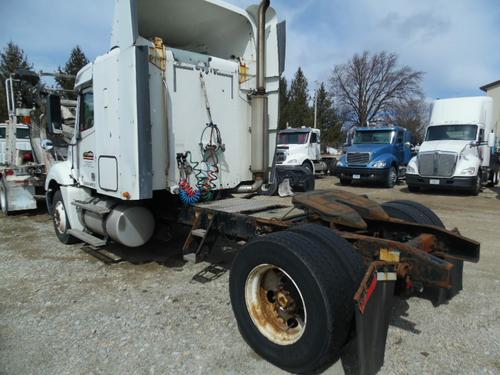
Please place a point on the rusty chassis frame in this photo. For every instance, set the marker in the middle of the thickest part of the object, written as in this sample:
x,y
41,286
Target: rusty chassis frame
x,y
398,255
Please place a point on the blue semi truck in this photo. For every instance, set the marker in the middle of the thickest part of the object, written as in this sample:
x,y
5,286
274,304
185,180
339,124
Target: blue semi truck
x,y
376,155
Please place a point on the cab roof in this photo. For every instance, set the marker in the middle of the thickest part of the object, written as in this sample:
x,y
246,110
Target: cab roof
x,y
298,130
383,128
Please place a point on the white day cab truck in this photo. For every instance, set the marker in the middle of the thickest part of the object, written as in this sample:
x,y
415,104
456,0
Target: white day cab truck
x,y
174,125
299,157
459,150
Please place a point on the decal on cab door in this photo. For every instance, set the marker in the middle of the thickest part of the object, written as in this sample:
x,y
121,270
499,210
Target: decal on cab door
x,y
88,155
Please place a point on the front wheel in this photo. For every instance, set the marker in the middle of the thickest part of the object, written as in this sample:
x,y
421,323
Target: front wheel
x,y
392,178
292,296
413,189
345,181
60,220
3,197
477,186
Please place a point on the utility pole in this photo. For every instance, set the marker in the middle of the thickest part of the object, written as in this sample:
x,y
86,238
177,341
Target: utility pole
x,y
316,105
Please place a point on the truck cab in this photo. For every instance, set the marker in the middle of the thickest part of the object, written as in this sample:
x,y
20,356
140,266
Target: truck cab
x,y
376,155
459,148
299,147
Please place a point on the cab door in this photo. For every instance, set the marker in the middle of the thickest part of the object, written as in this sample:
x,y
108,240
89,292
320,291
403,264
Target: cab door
x,y
399,146
314,146
86,154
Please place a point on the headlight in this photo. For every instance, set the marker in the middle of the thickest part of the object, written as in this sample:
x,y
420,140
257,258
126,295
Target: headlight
x,y
471,171
410,170
379,164
340,163
291,161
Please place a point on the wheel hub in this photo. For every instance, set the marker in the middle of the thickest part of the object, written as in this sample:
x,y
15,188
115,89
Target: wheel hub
x,y
60,217
275,304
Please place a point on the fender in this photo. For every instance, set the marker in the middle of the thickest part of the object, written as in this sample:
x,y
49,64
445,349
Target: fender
x,y
61,174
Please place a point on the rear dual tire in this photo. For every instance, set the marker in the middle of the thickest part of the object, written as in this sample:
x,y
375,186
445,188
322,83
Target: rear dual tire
x,y
414,212
292,296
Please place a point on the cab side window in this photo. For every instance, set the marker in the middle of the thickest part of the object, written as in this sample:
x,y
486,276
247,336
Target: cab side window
x,y
86,111
400,137
314,138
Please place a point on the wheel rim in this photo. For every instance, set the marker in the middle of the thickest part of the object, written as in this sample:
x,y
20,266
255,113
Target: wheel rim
x,y
394,177
3,198
275,304
60,217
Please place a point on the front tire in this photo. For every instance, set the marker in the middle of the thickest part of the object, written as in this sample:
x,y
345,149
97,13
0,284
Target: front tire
x,y
292,297
345,181
3,197
477,187
413,189
60,220
392,178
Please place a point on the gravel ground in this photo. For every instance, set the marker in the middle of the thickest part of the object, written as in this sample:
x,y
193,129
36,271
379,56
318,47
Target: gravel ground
x,y
62,311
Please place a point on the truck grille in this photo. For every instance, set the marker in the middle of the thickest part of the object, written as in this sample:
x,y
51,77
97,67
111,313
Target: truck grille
x,y
361,158
280,157
437,164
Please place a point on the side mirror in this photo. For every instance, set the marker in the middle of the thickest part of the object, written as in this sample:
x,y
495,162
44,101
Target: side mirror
x,y
491,140
47,144
54,118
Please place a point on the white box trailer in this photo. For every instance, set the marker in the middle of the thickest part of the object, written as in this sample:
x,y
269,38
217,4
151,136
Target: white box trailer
x,y
178,117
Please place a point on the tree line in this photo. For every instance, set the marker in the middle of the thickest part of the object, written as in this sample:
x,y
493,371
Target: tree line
x,y
13,57
367,90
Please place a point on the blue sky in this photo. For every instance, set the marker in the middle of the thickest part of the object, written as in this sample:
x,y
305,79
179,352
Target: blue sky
x,y
454,41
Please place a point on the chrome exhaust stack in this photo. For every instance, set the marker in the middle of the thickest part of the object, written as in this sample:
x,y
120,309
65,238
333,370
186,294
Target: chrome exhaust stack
x,y
260,115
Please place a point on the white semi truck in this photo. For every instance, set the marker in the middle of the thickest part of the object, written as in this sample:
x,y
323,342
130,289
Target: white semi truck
x,y
173,122
459,151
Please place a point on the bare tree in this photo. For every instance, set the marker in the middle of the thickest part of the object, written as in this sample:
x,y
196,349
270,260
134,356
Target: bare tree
x,y
370,85
412,115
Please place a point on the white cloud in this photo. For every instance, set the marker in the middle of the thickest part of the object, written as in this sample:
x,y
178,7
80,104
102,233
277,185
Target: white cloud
x,y
454,42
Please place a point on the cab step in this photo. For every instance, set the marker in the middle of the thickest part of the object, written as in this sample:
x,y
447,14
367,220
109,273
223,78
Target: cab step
x,y
199,238
87,238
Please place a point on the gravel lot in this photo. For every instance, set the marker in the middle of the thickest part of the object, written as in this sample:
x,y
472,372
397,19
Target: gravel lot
x,y
62,311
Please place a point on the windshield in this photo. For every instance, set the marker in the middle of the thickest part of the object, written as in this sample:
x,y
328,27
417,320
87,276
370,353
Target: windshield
x,y
373,137
2,133
22,133
299,138
451,133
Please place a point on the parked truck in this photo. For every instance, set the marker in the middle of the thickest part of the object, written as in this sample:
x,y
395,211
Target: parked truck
x,y
24,158
162,134
378,154
299,157
459,151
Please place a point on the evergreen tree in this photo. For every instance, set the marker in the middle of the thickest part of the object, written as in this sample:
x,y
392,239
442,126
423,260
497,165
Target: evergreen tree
x,y
76,61
299,111
327,120
12,58
284,104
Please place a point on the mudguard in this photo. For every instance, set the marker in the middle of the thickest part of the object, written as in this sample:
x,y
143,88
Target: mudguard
x,y
60,173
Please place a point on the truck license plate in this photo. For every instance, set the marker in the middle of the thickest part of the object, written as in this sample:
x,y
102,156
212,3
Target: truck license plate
x,y
434,182
356,176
